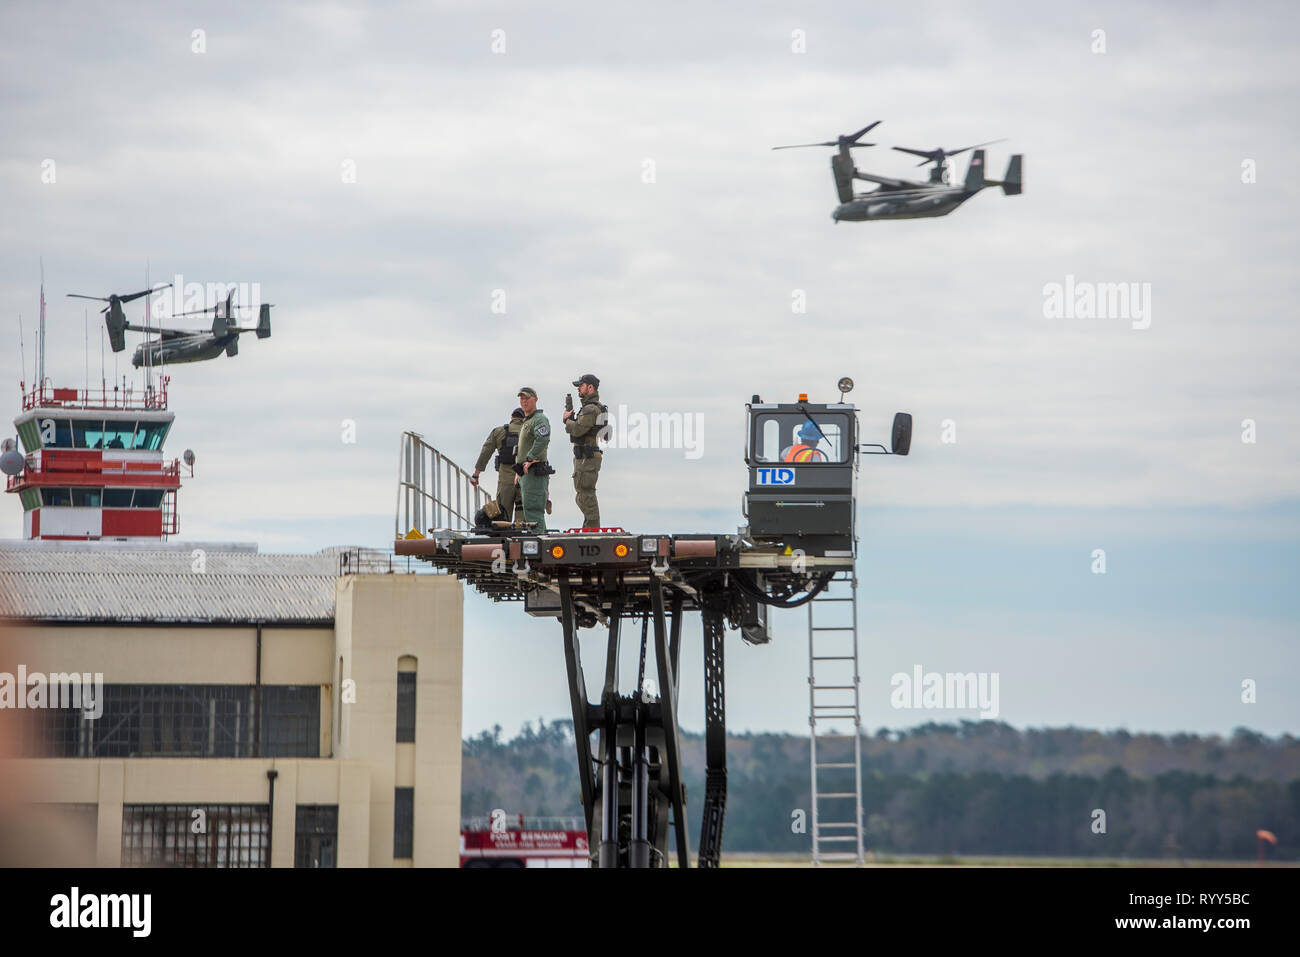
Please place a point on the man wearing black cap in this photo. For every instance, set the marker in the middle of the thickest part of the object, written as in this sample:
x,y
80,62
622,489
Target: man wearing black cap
x,y
503,441
584,428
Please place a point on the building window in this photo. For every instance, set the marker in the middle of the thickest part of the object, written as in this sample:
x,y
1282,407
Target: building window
x,y
290,721
173,721
56,497
148,497
86,497
118,497
95,497
316,836
195,835
403,823
406,706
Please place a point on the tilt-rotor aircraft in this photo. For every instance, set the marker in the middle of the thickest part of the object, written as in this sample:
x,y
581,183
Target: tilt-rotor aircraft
x,y
905,199
180,345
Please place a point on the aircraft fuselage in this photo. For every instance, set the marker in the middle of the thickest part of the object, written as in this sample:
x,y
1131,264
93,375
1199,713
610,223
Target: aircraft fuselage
x,y
181,349
917,203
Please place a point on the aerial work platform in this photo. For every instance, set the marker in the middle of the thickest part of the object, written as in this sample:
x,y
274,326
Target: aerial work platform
x,y
803,460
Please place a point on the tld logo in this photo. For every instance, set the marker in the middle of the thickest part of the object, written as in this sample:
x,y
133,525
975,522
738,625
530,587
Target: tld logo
x,y
776,476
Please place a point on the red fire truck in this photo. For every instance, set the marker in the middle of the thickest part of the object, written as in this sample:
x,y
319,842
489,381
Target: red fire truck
x,y
499,840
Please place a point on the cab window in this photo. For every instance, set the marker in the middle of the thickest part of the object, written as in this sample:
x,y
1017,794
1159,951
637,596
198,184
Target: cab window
x,y
119,435
149,435
817,438
88,434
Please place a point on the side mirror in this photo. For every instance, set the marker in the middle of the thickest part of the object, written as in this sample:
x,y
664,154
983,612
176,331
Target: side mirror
x,y
901,439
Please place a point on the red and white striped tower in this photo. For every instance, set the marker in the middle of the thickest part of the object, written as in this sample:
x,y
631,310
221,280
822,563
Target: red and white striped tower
x,y
94,465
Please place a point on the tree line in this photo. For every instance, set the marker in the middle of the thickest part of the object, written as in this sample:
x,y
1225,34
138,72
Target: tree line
x,y
972,788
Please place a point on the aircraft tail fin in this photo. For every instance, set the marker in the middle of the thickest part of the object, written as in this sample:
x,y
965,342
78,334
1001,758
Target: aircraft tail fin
x,y
975,173
232,347
264,321
1011,184
116,323
220,326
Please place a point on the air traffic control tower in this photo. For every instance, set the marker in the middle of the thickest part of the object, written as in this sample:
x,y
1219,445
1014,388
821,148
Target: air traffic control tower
x,y
93,466
797,550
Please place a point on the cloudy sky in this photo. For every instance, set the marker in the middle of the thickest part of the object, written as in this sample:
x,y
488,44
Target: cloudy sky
x,y
387,174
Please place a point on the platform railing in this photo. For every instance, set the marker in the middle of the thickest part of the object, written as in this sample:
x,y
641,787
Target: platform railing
x,y
523,822
47,395
432,490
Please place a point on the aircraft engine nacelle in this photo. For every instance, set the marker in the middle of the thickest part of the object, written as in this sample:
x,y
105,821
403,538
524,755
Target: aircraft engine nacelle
x,y
115,320
842,170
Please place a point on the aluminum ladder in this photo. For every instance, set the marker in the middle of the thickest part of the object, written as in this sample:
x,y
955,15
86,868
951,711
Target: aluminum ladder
x,y
834,714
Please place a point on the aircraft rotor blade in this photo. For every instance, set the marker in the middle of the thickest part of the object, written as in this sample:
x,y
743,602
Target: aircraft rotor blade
x,y
939,154
77,295
865,130
850,139
928,154
142,292
975,147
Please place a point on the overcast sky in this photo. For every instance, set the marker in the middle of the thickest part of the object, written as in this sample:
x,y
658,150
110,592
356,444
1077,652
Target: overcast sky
x,y
521,172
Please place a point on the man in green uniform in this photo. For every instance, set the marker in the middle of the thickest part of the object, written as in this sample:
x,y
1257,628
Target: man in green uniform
x,y
584,427
503,442
534,470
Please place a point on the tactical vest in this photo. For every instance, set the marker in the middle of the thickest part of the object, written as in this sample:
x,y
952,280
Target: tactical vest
x,y
509,448
587,441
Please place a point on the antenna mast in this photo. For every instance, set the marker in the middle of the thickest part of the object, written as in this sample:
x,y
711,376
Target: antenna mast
x,y
40,339
148,353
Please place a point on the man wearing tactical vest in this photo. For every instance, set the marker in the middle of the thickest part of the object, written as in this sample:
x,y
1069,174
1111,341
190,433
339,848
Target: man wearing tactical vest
x,y
503,441
530,461
584,428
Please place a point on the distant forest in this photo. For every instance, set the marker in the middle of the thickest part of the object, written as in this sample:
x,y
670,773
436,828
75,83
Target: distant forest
x,y
971,788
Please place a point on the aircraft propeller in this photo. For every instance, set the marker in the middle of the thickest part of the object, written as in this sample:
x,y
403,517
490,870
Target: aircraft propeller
x,y
938,155
850,140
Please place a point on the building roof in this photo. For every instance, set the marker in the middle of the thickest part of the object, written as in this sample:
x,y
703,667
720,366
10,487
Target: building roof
x,y
177,582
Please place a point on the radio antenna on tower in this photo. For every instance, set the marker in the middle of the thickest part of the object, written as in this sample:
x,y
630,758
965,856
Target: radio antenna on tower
x,y
40,338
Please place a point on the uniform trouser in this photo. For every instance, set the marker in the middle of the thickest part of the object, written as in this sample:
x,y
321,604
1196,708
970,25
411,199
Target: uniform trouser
x,y
585,473
532,489
508,493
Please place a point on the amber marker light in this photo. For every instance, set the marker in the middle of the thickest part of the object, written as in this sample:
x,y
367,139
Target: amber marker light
x,y
557,551
620,550
803,396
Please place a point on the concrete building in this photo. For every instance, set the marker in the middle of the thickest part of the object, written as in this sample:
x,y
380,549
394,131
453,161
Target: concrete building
x,y
253,709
